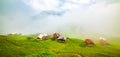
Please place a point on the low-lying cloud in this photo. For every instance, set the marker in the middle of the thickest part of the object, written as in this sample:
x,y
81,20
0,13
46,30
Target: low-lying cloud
x,y
65,16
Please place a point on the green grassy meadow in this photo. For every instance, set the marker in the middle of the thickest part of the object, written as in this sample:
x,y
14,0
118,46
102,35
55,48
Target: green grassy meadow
x,y
27,46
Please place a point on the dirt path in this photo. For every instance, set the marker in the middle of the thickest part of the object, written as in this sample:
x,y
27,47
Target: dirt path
x,y
13,44
63,53
74,53
57,47
16,46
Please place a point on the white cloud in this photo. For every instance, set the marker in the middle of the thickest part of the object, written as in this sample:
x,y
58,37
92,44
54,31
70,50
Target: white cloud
x,y
39,5
53,5
84,1
96,18
80,1
70,6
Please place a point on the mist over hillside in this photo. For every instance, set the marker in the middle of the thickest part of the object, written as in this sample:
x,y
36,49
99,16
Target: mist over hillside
x,y
69,16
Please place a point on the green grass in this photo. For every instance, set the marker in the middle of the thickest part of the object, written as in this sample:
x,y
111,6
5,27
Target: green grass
x,y
26,46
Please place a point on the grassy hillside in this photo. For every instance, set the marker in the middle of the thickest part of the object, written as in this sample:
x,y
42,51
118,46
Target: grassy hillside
x,y
26,46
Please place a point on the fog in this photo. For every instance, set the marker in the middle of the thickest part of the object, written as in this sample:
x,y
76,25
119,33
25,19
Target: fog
x,y
86,17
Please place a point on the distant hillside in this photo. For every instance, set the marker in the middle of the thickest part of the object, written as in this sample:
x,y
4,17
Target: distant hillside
x,y
23,46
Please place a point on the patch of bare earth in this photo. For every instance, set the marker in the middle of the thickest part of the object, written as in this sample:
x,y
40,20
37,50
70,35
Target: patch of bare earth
x,y
74,53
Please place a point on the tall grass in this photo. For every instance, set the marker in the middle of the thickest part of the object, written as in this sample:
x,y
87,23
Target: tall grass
x,y
27,46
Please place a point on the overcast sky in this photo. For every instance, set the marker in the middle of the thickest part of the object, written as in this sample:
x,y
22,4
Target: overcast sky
x,y
67,16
